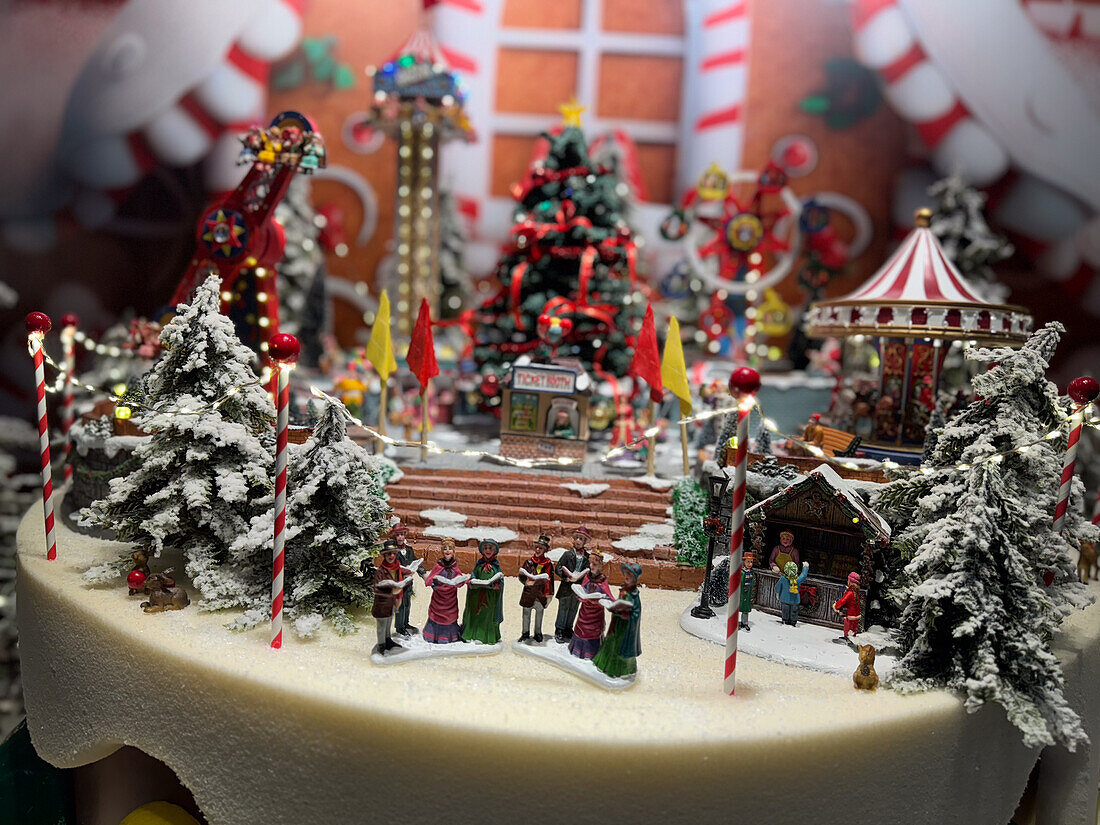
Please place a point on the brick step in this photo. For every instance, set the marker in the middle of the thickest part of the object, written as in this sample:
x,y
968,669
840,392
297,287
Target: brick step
x,y
514,497
490,514
655,573
618,488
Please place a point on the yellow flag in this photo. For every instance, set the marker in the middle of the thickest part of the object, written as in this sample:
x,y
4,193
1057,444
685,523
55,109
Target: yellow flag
x,y
673,368
380,345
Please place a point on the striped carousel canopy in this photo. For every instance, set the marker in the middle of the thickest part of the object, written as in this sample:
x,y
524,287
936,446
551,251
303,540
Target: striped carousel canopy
x,y
918,292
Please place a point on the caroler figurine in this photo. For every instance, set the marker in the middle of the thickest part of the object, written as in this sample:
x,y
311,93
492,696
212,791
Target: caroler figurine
x,y
618,655
390,581
848,605
570,569
406,555
786,589
748,588
484,597
589,592
444,579
537,575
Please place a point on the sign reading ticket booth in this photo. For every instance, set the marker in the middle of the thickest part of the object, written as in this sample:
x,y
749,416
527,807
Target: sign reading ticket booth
x,y
544,379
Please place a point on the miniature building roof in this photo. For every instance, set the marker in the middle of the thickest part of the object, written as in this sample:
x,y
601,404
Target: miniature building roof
x,y
826,478
919,292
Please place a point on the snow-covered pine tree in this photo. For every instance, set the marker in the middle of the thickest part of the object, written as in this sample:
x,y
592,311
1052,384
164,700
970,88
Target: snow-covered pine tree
x,y
958,221
336,513
453,277
976,614
301,272
202,477
763,440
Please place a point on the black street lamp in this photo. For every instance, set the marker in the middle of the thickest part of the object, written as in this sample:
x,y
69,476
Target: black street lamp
x,y
716,488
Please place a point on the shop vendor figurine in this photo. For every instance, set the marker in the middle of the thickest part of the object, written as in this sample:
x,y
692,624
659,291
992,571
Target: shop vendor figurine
x,y
618,655
784,552
537,576
484,597
390,581
748,588
562,426
592,589
848,605
787,590
407,556
444,581
570,569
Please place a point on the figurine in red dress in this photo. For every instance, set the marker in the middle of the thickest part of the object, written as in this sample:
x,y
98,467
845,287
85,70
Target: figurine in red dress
x,y
444,580
848,604
588,631
537,575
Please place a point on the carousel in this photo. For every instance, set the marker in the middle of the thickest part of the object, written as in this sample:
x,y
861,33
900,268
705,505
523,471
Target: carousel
x,y
913,308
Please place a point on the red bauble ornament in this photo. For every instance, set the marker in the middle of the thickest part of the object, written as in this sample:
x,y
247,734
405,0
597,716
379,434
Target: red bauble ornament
x,y
490,385
136,580
70,319
284,348
37,322
744,381
1083,390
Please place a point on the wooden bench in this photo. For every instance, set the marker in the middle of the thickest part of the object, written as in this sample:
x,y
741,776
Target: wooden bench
x,y
833,442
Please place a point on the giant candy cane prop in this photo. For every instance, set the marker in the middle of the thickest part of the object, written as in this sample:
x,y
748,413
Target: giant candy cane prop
x,y
37,325
1081,391
283,349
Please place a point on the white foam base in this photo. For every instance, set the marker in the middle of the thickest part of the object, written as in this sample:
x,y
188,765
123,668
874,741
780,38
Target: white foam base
x,y
414,647
559,656
806,645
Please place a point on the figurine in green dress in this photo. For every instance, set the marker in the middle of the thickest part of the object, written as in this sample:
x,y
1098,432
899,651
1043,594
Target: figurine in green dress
x,y
618,655
484,597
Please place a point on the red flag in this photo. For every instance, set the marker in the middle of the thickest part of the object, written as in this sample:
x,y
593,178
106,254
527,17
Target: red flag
x,y
647,357
421,356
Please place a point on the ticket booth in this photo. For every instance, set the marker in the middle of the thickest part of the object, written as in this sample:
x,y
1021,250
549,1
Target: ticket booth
x,y
544,411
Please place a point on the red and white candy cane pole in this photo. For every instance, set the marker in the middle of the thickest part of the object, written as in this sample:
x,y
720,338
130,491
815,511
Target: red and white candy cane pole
x,y
1081,391
38,324
744,383
283,349
69,322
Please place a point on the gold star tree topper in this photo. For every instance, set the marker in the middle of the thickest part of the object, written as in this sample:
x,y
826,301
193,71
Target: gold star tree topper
x,y
571,112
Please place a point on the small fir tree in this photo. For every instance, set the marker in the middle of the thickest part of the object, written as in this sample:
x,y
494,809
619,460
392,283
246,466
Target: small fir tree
x,y
958,221
689,508
301,272
976,539
763,440
572,205
453,277
336,513
203,476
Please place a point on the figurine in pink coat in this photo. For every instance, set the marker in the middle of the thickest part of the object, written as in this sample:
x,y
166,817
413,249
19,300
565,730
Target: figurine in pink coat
x,y
588,631
444,580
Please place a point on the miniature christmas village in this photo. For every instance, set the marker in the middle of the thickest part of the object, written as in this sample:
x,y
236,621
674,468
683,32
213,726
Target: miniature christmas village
x,y
877,484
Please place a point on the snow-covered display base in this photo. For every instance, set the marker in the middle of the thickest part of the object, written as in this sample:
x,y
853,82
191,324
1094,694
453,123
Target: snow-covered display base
x,y
414,647
303,734
804,645
559,656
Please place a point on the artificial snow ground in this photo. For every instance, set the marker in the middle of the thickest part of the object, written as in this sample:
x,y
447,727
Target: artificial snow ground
x,y
559,656
806,645
414,647
449,524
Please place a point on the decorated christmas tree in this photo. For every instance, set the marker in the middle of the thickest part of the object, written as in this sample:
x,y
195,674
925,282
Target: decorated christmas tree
x,y
985,579
205,473
336,514
571,257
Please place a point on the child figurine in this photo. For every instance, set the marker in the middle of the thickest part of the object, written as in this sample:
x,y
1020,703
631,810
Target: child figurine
x,y
484,597
406,555
570,569
390,581
444,580
618,655
585,638
787,590
748,588
848,604
537,575
784,552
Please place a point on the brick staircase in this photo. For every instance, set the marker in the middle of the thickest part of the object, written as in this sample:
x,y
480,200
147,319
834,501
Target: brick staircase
x,y
533,504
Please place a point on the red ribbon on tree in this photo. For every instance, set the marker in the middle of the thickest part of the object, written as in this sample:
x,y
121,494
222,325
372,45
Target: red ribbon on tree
x,y
646,364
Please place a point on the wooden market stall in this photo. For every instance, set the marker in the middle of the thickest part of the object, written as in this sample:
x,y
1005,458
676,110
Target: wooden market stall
x,y
544,411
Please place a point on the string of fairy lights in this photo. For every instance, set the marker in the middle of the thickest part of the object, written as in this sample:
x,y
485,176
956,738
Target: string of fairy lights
x,y
125,406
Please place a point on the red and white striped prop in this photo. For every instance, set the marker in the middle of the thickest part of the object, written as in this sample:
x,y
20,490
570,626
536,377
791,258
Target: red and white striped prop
x,y
69,323
283,349
1082,391
37,325
744,383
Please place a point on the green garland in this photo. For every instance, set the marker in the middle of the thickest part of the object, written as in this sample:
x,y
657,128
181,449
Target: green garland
x,y
689,508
